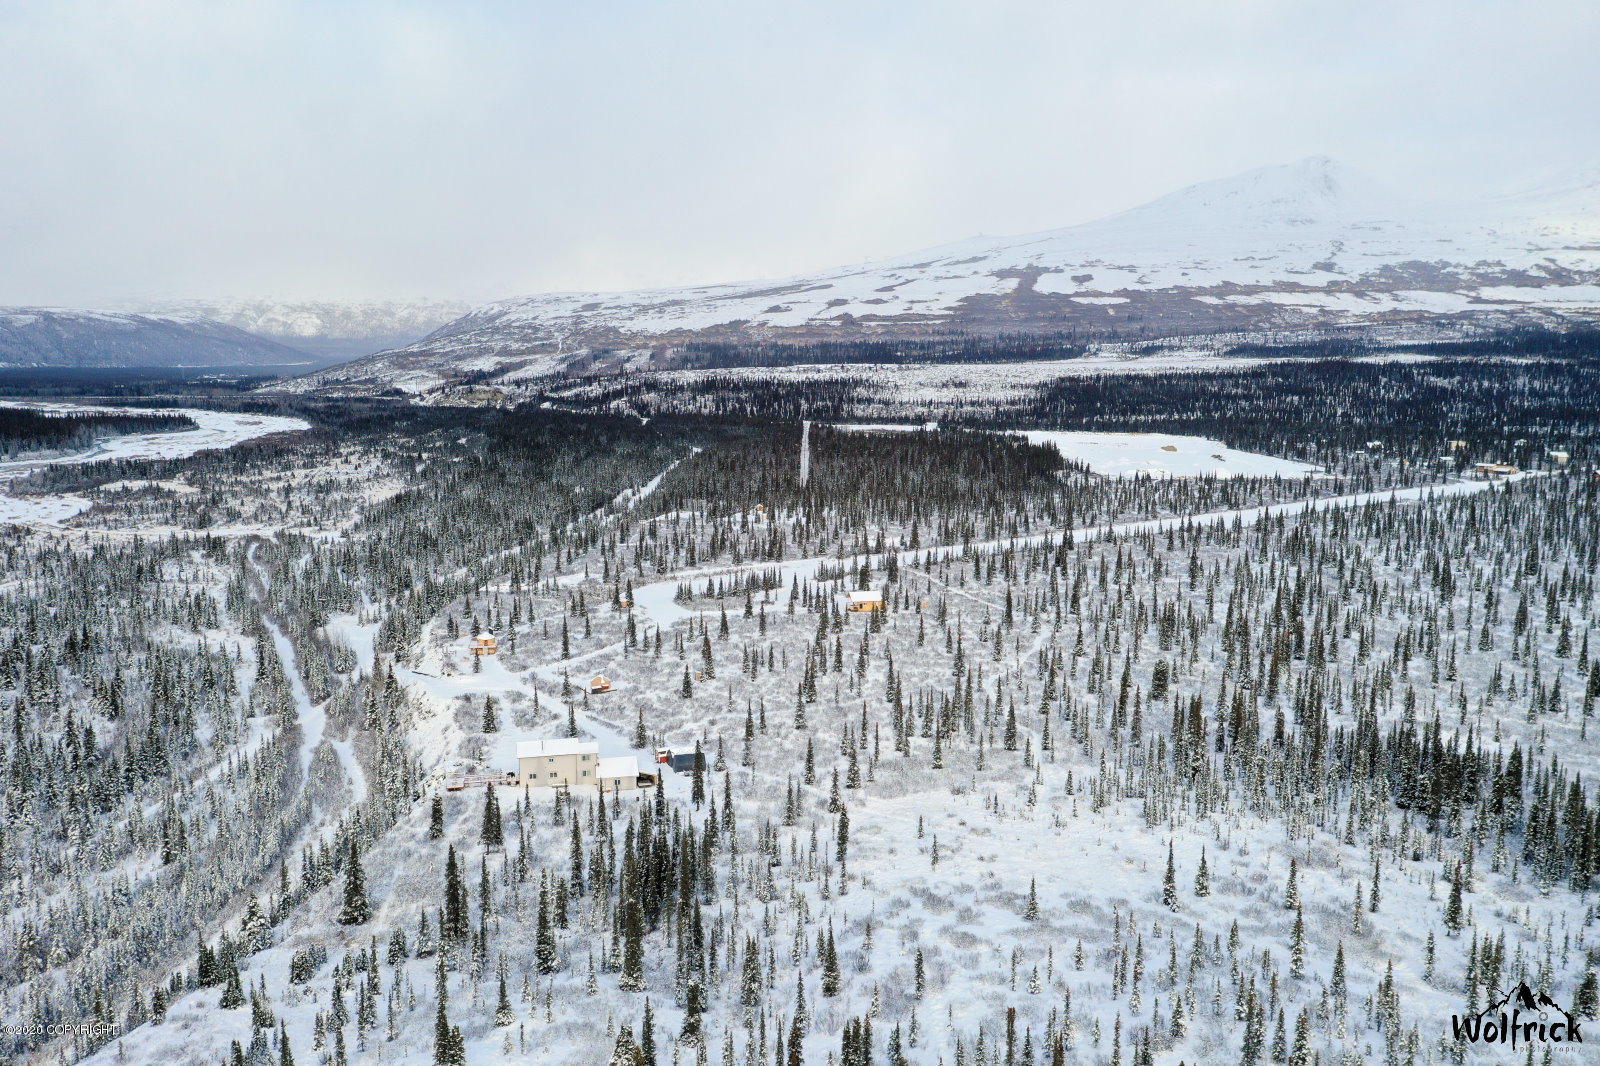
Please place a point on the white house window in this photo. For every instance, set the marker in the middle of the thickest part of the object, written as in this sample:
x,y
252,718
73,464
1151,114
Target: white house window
x,y
552,773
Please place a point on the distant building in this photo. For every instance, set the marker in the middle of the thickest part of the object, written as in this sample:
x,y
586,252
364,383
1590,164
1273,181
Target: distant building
x,y
563,763
864,600
1458,445
1489,470
558,763
600,683
683,762
1559,457
484,644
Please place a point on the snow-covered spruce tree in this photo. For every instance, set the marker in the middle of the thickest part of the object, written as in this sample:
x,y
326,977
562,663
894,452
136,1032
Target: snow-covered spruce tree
x,y
356,910
492,833
232,989
626,1052
503,1014
1454,912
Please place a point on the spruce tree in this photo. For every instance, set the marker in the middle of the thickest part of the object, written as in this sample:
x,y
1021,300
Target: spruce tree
x,y
626,1052
356,910
546,956
632,979
233,990
1586,1001
1454,916
1202,877
1297,947
694,1006
455,921
443,1043
503,1015
698,793
647,1036
831,978
492,835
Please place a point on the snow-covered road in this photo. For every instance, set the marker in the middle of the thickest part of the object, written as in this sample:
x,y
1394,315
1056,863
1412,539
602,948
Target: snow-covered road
x,y
658,603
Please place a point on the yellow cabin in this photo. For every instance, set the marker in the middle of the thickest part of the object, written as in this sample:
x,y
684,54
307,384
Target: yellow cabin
x,y
864,600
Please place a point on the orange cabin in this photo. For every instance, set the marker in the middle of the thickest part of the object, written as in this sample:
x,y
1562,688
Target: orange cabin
x,y
600,683
484,644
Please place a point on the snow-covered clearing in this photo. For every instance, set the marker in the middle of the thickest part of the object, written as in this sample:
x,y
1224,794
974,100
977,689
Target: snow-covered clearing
x,y
1161,455
1113,454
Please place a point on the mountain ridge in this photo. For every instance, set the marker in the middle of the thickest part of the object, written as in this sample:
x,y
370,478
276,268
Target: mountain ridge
x,y
66,337
1311,245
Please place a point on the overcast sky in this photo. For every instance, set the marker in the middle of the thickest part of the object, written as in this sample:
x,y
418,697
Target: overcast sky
x,y
373,150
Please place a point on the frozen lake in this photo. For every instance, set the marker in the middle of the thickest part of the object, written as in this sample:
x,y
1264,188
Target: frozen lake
x,y
213,430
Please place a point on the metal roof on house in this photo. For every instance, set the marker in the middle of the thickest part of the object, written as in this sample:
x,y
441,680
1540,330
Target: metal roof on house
x,y
539,749
617,766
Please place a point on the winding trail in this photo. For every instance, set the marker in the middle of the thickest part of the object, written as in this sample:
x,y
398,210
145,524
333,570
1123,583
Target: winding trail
x,y
313,717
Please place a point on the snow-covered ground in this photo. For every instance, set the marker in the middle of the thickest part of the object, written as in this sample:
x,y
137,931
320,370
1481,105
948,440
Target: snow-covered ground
x,y
214,430
1162,455
940,866
1126,454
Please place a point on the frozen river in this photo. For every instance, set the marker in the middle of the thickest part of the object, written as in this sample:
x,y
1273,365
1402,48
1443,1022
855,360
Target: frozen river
x,y
213,430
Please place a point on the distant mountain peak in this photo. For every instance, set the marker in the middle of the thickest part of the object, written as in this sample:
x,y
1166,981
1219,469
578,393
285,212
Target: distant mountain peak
x,y
1314,189
1306,246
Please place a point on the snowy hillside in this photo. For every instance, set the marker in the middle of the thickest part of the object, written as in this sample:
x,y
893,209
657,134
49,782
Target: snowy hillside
x,y
1306,245
31,336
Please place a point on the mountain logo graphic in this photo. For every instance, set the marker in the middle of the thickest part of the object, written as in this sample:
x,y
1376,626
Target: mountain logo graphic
x,y
1519,1016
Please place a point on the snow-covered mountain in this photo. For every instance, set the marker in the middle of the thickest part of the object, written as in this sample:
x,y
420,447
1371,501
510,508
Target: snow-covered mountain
x,y
1301,246
33,336
329,329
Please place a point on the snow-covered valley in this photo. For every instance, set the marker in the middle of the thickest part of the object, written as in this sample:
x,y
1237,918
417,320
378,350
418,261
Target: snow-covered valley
x,y
213,430
1349,713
